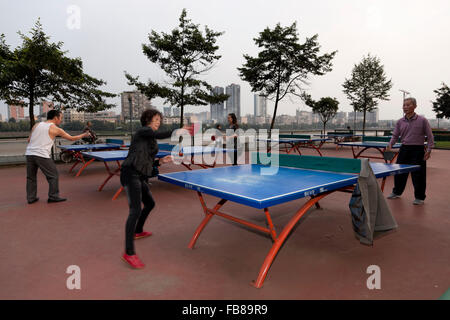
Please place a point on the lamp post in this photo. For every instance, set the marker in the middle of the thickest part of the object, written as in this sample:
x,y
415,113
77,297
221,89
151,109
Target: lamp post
x,y
131,116
404,93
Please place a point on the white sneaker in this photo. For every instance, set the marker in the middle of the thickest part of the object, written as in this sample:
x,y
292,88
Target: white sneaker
x,y
418,202
393,196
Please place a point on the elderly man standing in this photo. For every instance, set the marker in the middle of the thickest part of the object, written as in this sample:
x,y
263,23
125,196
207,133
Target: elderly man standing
x,y
38,153
413,130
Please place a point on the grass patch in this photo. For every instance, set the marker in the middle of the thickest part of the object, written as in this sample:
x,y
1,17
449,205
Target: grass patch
x,y
442,144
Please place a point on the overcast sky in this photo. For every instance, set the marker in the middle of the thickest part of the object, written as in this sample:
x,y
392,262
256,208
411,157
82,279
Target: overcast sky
x,y
410,38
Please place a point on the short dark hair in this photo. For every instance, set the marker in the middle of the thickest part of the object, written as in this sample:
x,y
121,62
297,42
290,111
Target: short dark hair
x,y
148,115
53,113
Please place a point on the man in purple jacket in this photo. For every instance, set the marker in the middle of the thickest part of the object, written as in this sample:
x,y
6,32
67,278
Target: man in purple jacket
x,y
413,130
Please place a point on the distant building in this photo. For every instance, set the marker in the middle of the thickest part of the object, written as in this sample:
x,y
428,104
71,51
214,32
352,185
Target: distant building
x,y
372,117
259,105
70,115
139,102
303,117
1,118
176,112
171,120
233,104
340,119
108,116
218,109
167,111
16,112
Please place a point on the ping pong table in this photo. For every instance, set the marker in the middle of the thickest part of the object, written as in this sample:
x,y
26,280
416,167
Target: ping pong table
x,y
341,137
367,145
296,177
181,154
294,143
75,150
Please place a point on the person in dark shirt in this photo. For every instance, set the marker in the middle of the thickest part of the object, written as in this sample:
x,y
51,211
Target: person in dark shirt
x,y
93,135
232,124
140,165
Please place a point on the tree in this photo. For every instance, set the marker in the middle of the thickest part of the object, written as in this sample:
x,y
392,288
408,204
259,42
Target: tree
x,y
40,70
283,64
367,85
183,55
326,108
442,104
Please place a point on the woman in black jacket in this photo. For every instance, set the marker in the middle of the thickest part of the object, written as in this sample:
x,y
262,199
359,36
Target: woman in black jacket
x,y
140,165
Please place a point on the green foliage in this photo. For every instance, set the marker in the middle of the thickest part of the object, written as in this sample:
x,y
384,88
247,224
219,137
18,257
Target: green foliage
x,y
283,64
326,107
183,55
442,104
39,69
367,85
14,126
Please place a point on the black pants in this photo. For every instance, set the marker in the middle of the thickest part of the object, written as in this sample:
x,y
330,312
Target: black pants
x,y
412,155
48,168
138,191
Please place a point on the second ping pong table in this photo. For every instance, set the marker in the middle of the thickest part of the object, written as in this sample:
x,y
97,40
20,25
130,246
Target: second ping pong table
x,y
293,143
76,151
367,145
296,177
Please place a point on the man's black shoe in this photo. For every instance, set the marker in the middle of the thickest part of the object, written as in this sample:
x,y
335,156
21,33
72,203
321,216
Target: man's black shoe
x,y
56,200
33,201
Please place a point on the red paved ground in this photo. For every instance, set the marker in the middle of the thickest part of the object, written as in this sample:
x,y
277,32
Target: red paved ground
x,y
321,260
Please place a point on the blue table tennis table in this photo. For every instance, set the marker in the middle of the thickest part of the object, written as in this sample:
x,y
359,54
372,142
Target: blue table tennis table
x,y
341,137
367,145
180,155
75,150
297,177
293,144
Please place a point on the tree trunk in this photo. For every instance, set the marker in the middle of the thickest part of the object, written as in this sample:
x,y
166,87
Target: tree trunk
x,y
31,106
181,116
274,112
364,122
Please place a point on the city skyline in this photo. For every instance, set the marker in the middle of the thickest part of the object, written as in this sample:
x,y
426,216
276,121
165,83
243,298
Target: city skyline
x,y
406,36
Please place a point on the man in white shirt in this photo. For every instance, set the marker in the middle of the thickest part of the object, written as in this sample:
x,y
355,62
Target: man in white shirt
x,y
38,153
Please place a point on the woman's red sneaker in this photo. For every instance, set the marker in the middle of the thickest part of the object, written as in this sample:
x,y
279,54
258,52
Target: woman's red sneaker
x,y
133,261
142,235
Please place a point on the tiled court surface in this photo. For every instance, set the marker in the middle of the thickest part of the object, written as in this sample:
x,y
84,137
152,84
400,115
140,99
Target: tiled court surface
x,y
321,259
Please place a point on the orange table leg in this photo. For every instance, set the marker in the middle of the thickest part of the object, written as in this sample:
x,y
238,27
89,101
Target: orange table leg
x,y
281,239
84,166
205,220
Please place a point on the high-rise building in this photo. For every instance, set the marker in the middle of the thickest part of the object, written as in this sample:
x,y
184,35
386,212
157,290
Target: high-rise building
x,y
372,117
139,102
234,99
218,109
167,111
16,112
176,112
260,105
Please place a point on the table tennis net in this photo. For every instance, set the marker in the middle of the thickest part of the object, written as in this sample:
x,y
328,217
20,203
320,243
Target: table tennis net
x,y
344,165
